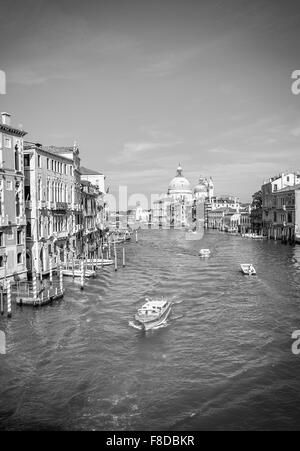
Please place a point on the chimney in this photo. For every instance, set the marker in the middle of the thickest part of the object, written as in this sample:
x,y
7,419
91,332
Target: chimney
x,y
5,117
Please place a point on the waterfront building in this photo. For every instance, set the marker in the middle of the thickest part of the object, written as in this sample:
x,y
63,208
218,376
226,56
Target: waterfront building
x,y
91,232
231,219
53,204
280,207
97,180
257,213
225,202
12,206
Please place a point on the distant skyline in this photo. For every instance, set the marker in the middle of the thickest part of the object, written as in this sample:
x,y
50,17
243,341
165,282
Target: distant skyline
x,y
143,85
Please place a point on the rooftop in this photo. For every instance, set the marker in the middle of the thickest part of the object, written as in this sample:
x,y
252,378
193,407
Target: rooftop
x,y
86,171
288,188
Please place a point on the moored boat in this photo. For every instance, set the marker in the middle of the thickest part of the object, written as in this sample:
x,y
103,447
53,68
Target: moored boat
x,y
99,262
77,273
153,314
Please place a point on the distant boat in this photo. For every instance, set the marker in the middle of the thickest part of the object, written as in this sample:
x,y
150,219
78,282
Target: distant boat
x,y
204,253
153,314
248,269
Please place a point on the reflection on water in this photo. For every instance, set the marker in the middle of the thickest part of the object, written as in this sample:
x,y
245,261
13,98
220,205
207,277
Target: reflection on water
x,y
223,360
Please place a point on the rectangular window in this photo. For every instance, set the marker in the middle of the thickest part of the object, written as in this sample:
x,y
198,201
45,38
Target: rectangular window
x,y
26,161
27,193
48,163
1,239
20,258
10,234
39,161
52,165
9,185
19,237
7,143
71,170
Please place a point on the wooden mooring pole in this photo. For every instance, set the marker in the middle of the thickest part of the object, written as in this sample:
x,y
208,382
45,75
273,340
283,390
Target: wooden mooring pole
x,y
9,299
116,258
82,276
1,303
34,287
51,270
124,259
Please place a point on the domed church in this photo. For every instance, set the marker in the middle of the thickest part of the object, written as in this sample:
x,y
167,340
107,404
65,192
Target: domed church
x,y
180,187
204,190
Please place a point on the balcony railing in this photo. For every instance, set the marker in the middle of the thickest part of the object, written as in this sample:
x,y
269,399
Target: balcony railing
x,y
60,235
42,204
21,220
4,221
61,206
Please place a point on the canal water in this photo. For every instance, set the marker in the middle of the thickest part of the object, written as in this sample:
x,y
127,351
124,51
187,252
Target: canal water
x,y
223,360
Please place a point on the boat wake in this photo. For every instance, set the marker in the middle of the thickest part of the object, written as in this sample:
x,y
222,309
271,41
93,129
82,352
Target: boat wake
x,y
136,326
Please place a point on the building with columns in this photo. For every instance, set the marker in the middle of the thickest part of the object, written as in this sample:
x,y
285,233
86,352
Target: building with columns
x,y
12,208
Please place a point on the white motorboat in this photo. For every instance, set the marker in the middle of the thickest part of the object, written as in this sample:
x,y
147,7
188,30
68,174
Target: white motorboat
x,y
204,253
248,269
153,314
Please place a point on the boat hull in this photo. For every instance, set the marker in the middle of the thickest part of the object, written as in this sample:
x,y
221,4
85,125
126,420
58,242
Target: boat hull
x,y
148,325
246,272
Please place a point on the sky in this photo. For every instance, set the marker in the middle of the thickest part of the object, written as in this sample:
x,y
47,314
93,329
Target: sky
x,y
143,85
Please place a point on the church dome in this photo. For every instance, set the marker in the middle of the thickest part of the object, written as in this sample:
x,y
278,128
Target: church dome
x,y
201,187
179,184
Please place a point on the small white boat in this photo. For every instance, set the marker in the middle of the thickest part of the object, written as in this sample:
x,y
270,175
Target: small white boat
x,y
153,314
248,269
99,262
204,253
77,273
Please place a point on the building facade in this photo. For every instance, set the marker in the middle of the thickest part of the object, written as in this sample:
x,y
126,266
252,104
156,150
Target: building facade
x,y
12,206
53,205
280,208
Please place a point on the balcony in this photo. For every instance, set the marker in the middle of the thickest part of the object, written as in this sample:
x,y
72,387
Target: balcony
x,y
4,222
61,206
42,204
21,221
60,235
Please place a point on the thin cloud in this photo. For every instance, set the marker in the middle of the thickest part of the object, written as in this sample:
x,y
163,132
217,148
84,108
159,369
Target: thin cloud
x,y
133,150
